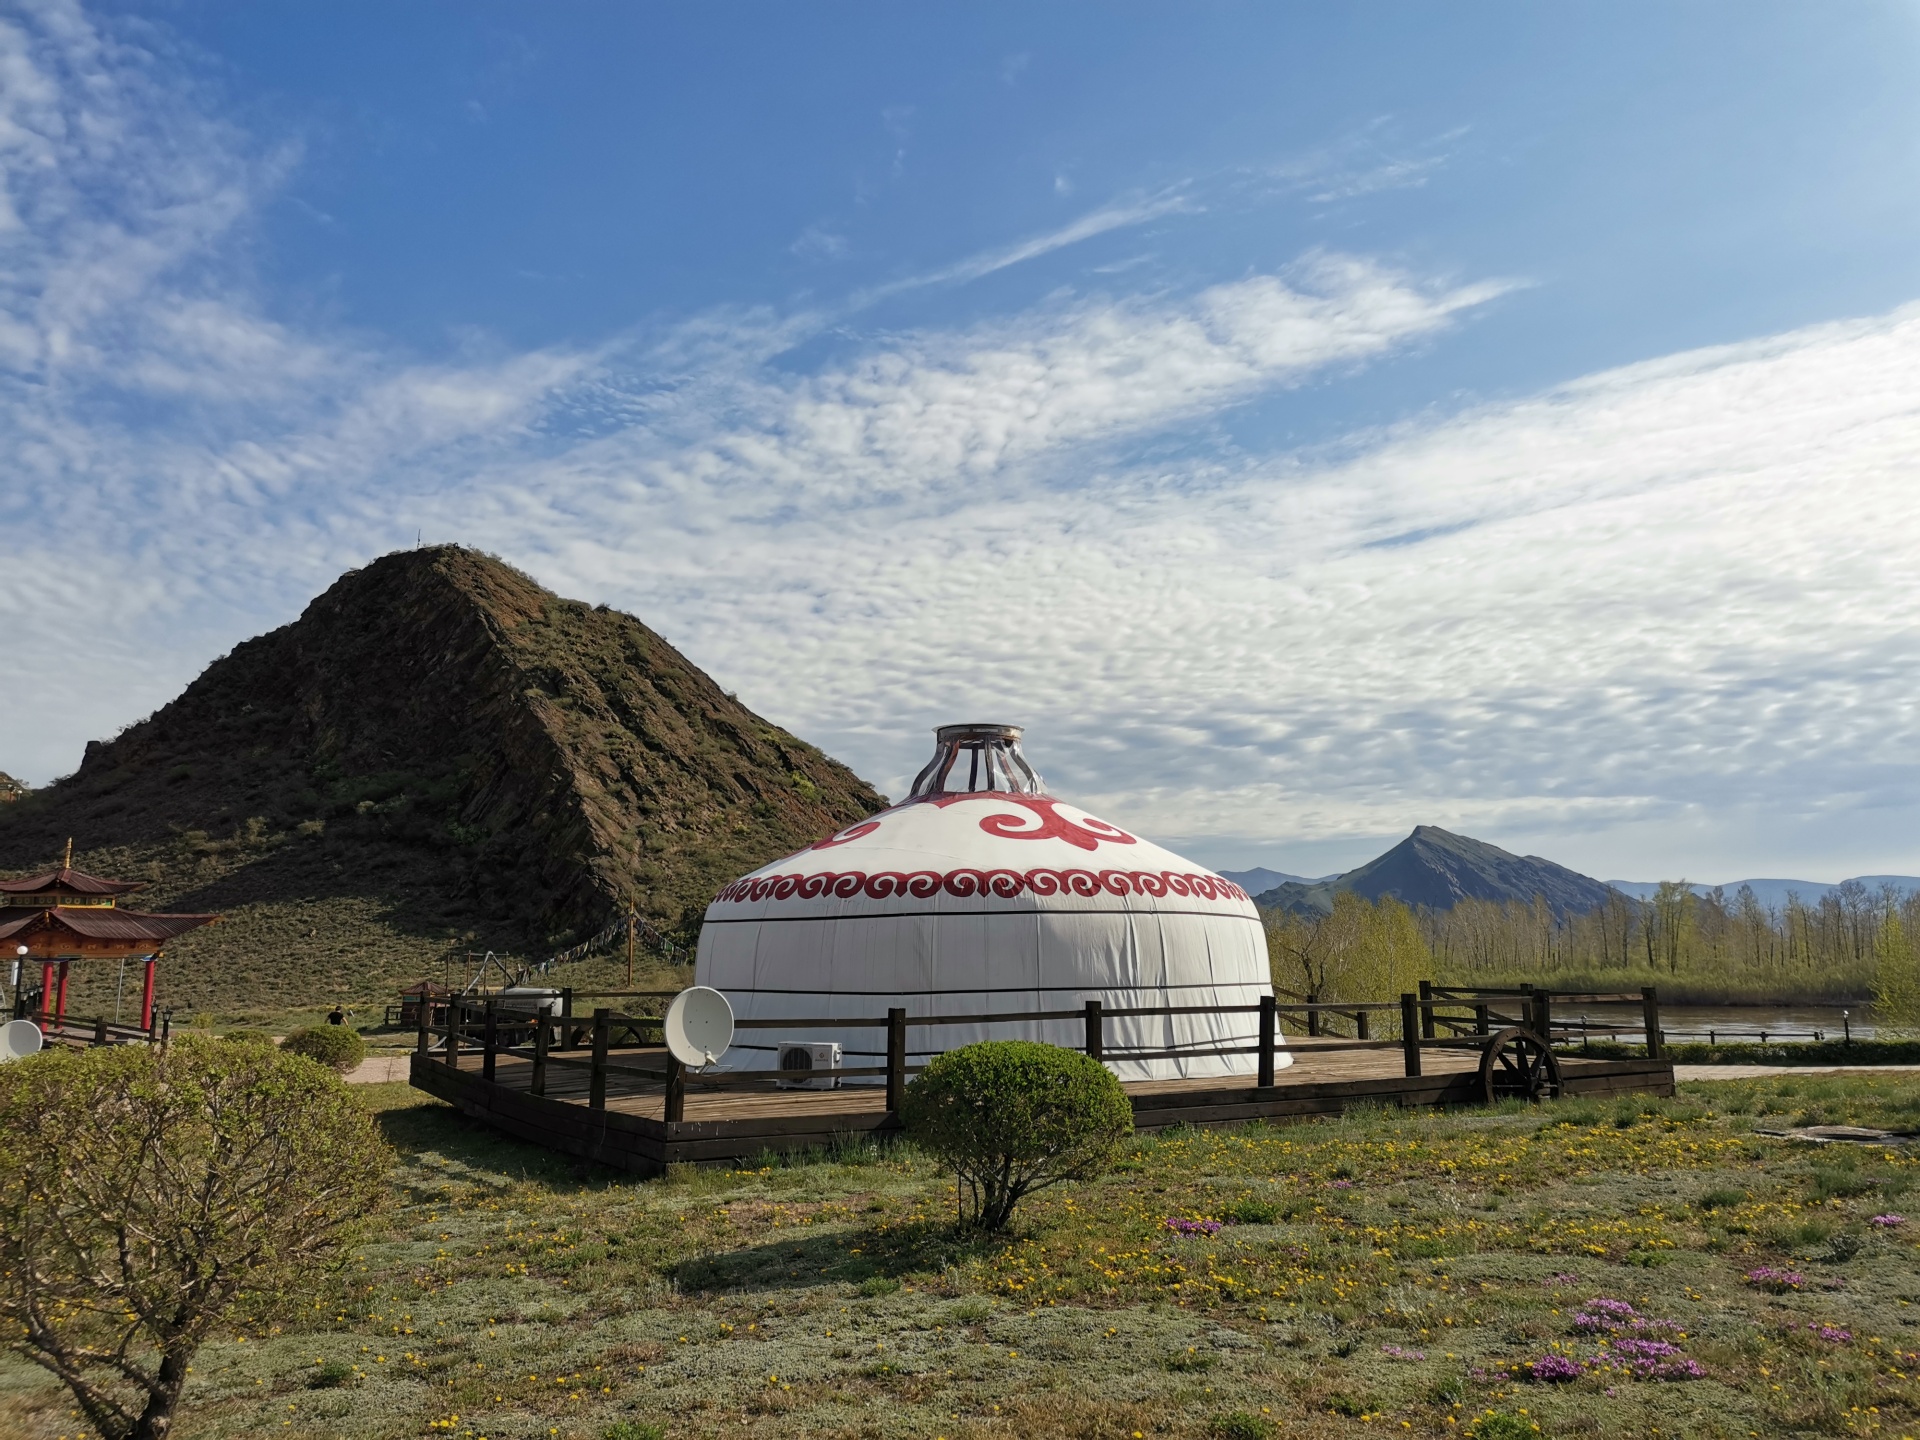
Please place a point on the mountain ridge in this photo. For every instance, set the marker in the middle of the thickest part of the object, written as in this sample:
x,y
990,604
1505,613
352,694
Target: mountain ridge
x,y
1260,878
1437,869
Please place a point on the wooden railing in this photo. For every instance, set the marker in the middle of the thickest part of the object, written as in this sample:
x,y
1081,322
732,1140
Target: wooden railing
x,y
521,1027
73,1030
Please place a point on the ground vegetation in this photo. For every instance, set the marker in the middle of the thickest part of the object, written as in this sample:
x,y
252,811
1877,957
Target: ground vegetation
x,y
1637,1267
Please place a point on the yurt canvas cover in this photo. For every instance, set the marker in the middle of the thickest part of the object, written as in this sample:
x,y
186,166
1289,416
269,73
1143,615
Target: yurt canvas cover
x,y
981,894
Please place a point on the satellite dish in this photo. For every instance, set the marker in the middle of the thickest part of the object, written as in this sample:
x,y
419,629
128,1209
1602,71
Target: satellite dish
x,y
699,1026
20,1038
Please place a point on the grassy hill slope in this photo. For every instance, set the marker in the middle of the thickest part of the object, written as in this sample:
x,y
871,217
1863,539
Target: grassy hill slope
x,y
439,753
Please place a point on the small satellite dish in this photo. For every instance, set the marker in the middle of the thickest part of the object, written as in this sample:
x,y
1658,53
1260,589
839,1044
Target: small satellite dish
x,y
699,1026
19,1039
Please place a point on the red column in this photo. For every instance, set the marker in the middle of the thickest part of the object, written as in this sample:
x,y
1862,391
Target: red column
x,y
60,1012
46,988
146,997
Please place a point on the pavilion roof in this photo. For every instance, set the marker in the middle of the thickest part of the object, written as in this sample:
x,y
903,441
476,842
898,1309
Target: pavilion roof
x,y
77,882
104,924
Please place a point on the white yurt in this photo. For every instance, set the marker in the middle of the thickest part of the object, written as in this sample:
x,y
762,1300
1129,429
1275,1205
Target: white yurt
x,y
981,894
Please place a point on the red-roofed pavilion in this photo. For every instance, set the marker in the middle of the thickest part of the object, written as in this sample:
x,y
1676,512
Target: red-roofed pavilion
x,y
67,915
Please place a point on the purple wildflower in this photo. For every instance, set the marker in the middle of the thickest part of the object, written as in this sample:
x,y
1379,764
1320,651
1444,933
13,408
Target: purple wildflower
x,y
1552,1370
1341,1185
1779,1281
1887,1222
1394,1352
1631,1349
1654,1360
1181,1226
1831,1333
1563,1279
1600,1316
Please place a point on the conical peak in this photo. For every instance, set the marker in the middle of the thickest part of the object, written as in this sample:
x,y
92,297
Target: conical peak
x,y
977,757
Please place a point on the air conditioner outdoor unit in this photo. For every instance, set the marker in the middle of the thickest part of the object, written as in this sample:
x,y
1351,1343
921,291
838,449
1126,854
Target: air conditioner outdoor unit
x,y
805,1060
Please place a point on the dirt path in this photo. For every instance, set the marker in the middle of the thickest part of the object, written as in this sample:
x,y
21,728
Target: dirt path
x,y
379,1070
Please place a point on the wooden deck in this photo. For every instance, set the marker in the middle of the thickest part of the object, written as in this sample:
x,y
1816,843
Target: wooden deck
x,y
720,1125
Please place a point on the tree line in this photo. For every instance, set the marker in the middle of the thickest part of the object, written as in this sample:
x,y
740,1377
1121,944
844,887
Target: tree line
x,y
1850,943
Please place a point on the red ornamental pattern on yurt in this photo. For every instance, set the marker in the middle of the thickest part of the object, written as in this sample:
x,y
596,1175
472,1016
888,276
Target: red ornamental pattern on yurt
x,y
1087,833
966,884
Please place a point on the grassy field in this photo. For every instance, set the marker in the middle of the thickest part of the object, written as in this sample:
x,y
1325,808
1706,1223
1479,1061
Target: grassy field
x,y
1383,1273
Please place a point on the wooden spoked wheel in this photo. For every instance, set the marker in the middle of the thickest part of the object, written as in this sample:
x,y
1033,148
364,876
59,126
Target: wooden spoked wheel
x,y
1518,1065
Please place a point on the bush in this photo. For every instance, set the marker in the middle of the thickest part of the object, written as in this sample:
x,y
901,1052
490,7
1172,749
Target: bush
x,y
1242,1425
145,1193
1011,1117
334,1045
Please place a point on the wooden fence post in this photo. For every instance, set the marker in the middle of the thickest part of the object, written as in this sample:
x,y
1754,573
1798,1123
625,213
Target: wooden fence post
x,y
896,1059
538,1084
566,1015
489,1039
1313,1016
1650,1014
675,1109
1096,1038
1363,1024
1410,1032
456,1017
1269,1018
422,1014
597,1086
1543,1014
1482,1019
1429,1027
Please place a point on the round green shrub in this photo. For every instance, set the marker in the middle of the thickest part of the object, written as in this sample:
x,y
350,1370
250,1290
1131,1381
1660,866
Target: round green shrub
x,y
1010,1117
333,1045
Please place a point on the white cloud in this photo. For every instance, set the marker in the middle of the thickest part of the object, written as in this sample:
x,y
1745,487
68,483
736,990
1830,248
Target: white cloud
x,y
1119,215
1675,591
1366,161
1671,603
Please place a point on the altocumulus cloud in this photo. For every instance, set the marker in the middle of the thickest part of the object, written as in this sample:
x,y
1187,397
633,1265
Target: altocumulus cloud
x,y
1670,591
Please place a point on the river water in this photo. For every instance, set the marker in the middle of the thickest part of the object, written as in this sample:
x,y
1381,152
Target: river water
x,y
1723,1022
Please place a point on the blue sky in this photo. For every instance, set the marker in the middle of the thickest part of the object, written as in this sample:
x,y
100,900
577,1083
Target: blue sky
x,y
1310,421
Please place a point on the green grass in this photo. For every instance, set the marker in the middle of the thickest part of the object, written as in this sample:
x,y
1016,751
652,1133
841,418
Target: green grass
x,y
1381,1273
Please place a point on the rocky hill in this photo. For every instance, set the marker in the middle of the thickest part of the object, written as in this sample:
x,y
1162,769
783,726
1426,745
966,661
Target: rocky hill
x,y
438,753
1437,869
10,788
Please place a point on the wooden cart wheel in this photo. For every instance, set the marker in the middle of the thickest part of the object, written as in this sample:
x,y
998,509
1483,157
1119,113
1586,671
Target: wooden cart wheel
x,y
1518,1065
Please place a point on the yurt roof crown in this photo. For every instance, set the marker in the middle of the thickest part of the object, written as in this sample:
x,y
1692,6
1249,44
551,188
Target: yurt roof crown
x,y
968,758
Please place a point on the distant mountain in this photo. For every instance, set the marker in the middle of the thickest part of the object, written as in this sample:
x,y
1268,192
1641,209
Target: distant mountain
x,y
1773,894
1437,869
1257,880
